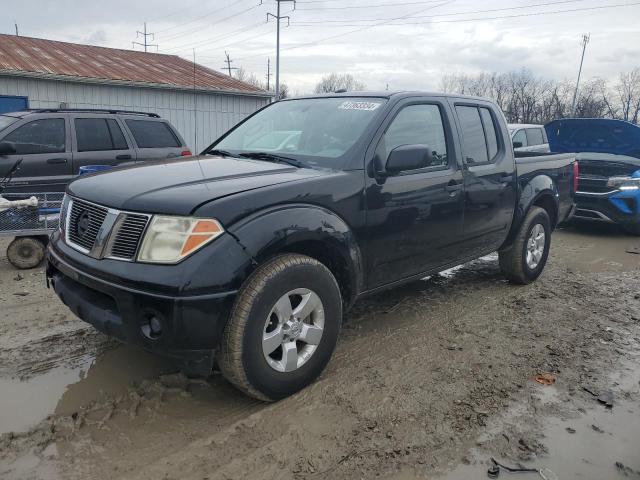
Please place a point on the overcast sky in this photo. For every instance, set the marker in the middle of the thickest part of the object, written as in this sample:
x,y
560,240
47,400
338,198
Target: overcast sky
x,y
407,44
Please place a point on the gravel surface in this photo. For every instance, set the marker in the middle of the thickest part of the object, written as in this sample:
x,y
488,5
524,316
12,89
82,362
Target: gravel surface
x,y
430,379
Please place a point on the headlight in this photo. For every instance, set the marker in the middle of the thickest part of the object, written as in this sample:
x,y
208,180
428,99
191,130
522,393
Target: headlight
x,y
170,239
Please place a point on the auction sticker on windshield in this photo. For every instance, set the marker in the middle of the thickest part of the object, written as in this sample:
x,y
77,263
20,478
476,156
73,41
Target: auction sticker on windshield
x,y
368,106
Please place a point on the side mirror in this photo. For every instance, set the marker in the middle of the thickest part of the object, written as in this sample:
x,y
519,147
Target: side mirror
x,y
7,148
408,157
517,144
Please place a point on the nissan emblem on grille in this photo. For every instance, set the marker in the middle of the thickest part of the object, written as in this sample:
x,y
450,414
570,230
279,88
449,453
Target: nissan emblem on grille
x,y
103,232
82,224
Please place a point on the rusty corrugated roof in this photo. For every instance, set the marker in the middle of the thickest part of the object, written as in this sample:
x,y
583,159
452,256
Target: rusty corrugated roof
x,y
38,56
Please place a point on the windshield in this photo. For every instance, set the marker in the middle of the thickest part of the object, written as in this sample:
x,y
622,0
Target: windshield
x,y
6,121
315,129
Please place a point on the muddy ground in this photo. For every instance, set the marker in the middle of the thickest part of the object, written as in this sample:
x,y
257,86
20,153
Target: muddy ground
x,y
428,381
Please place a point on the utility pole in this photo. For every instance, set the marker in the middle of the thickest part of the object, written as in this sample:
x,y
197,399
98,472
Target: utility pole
x,y
228,62
269,74
585,41
16,25
279,17
145,35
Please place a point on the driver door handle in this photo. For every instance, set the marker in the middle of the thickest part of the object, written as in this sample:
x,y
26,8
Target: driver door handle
x,y
506,178
453,187
57,161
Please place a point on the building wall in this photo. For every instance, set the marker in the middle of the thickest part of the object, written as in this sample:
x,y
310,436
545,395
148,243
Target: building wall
x,y
213,115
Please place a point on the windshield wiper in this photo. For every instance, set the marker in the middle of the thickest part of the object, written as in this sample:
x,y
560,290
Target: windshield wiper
x,y
222,153
272,157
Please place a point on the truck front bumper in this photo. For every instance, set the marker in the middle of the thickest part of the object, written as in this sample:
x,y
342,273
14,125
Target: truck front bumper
x,y
185,328
621,207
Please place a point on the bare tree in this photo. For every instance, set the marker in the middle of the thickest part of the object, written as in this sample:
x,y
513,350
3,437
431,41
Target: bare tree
x,y
526,98
628,95
284,91
334,82
250,78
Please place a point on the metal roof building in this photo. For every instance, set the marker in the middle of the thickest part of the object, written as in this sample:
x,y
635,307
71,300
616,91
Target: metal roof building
x,y
201,103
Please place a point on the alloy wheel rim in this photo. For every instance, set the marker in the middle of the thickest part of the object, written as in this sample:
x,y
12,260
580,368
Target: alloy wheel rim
x,y
293,330
535,246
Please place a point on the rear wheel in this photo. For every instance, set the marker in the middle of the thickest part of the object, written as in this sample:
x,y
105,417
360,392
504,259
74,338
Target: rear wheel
x,y
283,328
26,252
525,259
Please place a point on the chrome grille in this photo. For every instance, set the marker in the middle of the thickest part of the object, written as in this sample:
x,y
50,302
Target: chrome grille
x,y
593,183
84,222
128,235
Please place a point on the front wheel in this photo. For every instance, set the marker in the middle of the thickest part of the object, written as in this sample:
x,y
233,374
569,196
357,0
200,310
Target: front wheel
x,y
283,328
525,259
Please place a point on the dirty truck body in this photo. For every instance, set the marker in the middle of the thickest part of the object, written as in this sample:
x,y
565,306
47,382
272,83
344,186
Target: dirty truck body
x,y
247,255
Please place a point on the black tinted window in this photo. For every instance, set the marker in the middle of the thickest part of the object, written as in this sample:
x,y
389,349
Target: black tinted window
x,y
152,134
534,136
119,143
490,132
99,134
417,125
473,141
92,134
39,136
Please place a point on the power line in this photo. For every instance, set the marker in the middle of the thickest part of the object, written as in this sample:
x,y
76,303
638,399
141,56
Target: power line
x,y
145,36
351,7
293,47
195,32
199,18
224,36
310,22
316,42
531,14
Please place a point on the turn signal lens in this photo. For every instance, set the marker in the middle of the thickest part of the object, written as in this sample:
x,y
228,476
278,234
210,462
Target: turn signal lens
x,y
171,239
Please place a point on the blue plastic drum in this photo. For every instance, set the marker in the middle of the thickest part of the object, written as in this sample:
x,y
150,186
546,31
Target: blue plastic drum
x,y
94,169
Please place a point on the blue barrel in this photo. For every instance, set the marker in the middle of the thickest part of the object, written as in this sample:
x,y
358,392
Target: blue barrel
x,y
94,169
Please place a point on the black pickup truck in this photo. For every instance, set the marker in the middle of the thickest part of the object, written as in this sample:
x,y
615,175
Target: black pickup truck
x,y
248,254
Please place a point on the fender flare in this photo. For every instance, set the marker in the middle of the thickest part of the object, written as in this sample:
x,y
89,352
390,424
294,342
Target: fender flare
x,y
281,228
541,186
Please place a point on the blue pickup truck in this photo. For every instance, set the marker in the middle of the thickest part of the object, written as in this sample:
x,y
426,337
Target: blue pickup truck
x,y
609,156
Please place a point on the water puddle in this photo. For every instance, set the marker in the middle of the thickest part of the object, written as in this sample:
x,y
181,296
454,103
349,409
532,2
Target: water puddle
x,y
63,390
598,248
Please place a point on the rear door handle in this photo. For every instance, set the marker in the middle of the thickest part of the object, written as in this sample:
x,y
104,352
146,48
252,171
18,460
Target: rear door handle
x,y
453,187
124,157
57,161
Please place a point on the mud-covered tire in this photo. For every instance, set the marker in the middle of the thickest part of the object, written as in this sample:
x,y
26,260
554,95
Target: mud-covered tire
x,y
26,252
513,260
240,356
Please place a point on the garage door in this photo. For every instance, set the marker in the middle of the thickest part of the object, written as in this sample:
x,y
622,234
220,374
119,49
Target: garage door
x,y
13,104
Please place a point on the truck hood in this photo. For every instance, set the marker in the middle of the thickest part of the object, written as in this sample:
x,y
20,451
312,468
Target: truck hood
x,y
178,187
596,135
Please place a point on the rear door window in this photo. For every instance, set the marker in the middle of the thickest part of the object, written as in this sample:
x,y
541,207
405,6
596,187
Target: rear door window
x,y
99,134
534,136
149,134
39,136
490,133
473,141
